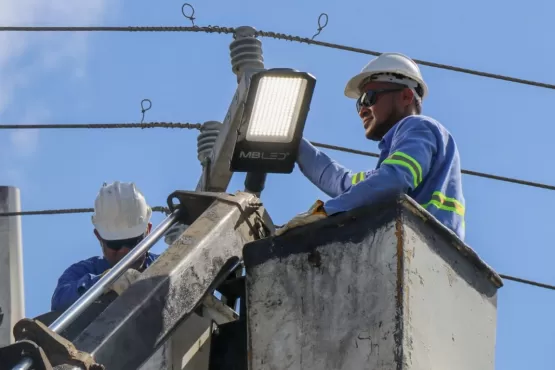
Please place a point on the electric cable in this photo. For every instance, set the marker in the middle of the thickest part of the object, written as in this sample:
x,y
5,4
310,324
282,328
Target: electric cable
x,y
268,34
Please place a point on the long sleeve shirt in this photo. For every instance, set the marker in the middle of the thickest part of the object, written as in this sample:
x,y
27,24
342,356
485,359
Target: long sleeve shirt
x,y
79,277
418,157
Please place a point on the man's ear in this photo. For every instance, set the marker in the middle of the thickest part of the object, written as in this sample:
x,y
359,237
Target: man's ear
x,y
149,227
408,96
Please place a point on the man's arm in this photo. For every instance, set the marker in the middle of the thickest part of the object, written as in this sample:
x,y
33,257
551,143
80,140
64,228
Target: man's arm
x,y
412,151
75,280
328,175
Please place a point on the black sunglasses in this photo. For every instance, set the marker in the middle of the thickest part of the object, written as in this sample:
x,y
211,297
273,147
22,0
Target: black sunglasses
x,y
131,243
369,97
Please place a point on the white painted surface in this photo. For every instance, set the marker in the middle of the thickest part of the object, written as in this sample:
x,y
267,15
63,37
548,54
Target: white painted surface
x,y
160,360
337,317
11,264
448,323
189,346
342,315
191,340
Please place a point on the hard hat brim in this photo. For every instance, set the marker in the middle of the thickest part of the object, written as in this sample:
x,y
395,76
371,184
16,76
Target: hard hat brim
x,y
353,91
133,232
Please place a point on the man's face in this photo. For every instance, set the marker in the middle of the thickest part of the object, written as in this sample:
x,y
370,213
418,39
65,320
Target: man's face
x,y
113,256
114,251
388,103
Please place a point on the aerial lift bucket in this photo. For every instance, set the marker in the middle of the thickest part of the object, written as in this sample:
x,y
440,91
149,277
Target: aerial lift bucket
x,y
386,287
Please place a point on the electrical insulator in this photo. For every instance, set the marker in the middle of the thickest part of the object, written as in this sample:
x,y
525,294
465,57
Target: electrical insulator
x,y
245,51
207,139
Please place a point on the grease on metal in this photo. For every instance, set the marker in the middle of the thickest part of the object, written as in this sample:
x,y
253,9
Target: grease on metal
x,y
416,210
315,259
399,323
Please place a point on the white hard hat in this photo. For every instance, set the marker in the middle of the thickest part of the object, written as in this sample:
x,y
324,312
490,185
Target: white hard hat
x,y
389,67
121,211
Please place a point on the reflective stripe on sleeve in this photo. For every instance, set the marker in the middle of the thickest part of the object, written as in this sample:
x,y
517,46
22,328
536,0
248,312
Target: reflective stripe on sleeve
x,y
358,177
405,160
440,201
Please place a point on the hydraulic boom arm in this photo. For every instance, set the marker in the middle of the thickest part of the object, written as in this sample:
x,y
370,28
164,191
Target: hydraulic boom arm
x,y
139,321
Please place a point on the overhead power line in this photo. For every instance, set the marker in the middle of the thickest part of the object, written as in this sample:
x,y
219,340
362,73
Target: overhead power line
x,y
269,34
167,211
528,282
190,126
198,126
67,211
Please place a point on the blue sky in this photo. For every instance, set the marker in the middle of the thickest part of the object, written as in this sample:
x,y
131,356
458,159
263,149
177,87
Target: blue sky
x,y
500,127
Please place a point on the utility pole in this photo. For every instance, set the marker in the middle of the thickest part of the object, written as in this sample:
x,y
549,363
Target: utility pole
x,y
12,307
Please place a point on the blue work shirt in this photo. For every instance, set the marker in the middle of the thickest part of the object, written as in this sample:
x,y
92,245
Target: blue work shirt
x,y
79,277
419,157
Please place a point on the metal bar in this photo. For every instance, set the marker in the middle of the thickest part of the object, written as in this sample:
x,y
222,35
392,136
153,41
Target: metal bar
x,y
98,289
255,182
170,290
219,175
25,364
12,306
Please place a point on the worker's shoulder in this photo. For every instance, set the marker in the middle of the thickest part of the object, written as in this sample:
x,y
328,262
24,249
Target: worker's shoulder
x,y
423,121
90,265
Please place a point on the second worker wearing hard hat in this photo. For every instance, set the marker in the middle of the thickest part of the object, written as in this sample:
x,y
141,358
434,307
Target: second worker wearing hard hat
x,y
121,219
418,156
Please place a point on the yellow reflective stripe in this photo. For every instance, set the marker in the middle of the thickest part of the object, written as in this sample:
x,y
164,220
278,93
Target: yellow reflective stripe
x,y
407,161
402,163
358,177
441,201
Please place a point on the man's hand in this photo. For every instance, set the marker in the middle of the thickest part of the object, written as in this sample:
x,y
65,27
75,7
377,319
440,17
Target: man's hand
x,y
104,273
123,282
315,213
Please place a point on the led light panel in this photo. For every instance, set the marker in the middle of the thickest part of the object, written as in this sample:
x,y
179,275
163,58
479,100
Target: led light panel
x,y
276,109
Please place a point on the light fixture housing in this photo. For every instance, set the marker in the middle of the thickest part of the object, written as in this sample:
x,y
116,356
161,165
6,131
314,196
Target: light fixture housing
x,y
273,121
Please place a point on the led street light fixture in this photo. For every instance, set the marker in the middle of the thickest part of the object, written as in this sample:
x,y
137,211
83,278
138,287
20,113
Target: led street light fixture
x,y
276,108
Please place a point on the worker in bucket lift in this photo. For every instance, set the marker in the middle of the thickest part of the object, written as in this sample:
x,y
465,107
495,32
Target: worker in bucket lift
x,y
121,220
419,157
